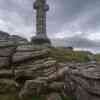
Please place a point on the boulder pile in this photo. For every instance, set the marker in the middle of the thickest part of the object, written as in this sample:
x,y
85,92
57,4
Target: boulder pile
x,y
29,70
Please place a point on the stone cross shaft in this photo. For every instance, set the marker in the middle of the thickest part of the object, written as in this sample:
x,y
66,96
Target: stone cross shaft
x,y
41,9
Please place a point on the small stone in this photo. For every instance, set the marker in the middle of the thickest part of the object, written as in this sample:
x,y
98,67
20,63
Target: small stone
x,y
54,96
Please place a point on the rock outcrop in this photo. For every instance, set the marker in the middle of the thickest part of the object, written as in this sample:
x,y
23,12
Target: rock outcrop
x,y
27,70
4,35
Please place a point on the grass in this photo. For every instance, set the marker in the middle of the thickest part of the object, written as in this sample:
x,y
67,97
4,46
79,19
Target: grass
x,y
64,55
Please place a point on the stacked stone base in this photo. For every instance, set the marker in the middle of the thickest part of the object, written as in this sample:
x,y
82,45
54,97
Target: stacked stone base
x,y
40,41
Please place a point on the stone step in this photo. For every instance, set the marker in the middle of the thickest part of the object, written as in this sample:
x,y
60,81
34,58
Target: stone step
x,y
6,44
32,64
24,56
37,67
6,74
7,51
47,74
42,78
25,47
51,68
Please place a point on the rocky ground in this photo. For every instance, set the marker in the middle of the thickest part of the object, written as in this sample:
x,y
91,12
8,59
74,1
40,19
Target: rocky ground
x,y
28,70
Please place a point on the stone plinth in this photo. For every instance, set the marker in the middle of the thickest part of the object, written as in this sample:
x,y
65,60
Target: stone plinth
x,y
41,8
38,40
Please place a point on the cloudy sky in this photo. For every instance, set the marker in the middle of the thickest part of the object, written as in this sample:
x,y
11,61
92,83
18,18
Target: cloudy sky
x,y
69,19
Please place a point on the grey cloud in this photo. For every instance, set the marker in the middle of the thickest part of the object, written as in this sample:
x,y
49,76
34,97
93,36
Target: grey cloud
x,y
16,17
83,15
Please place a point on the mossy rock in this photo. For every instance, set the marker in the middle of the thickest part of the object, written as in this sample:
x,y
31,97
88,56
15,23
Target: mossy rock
x,y
9,96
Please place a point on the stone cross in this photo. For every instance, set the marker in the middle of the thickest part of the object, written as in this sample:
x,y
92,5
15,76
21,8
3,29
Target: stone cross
x,y
41,8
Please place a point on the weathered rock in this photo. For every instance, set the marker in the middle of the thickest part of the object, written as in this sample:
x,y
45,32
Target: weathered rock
x,y
85,82
53,96
57,86
6,43
7,85
4,62
37,73
32,88
26,47
17,39
3,35
36,69
6,73
23,56
6,51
